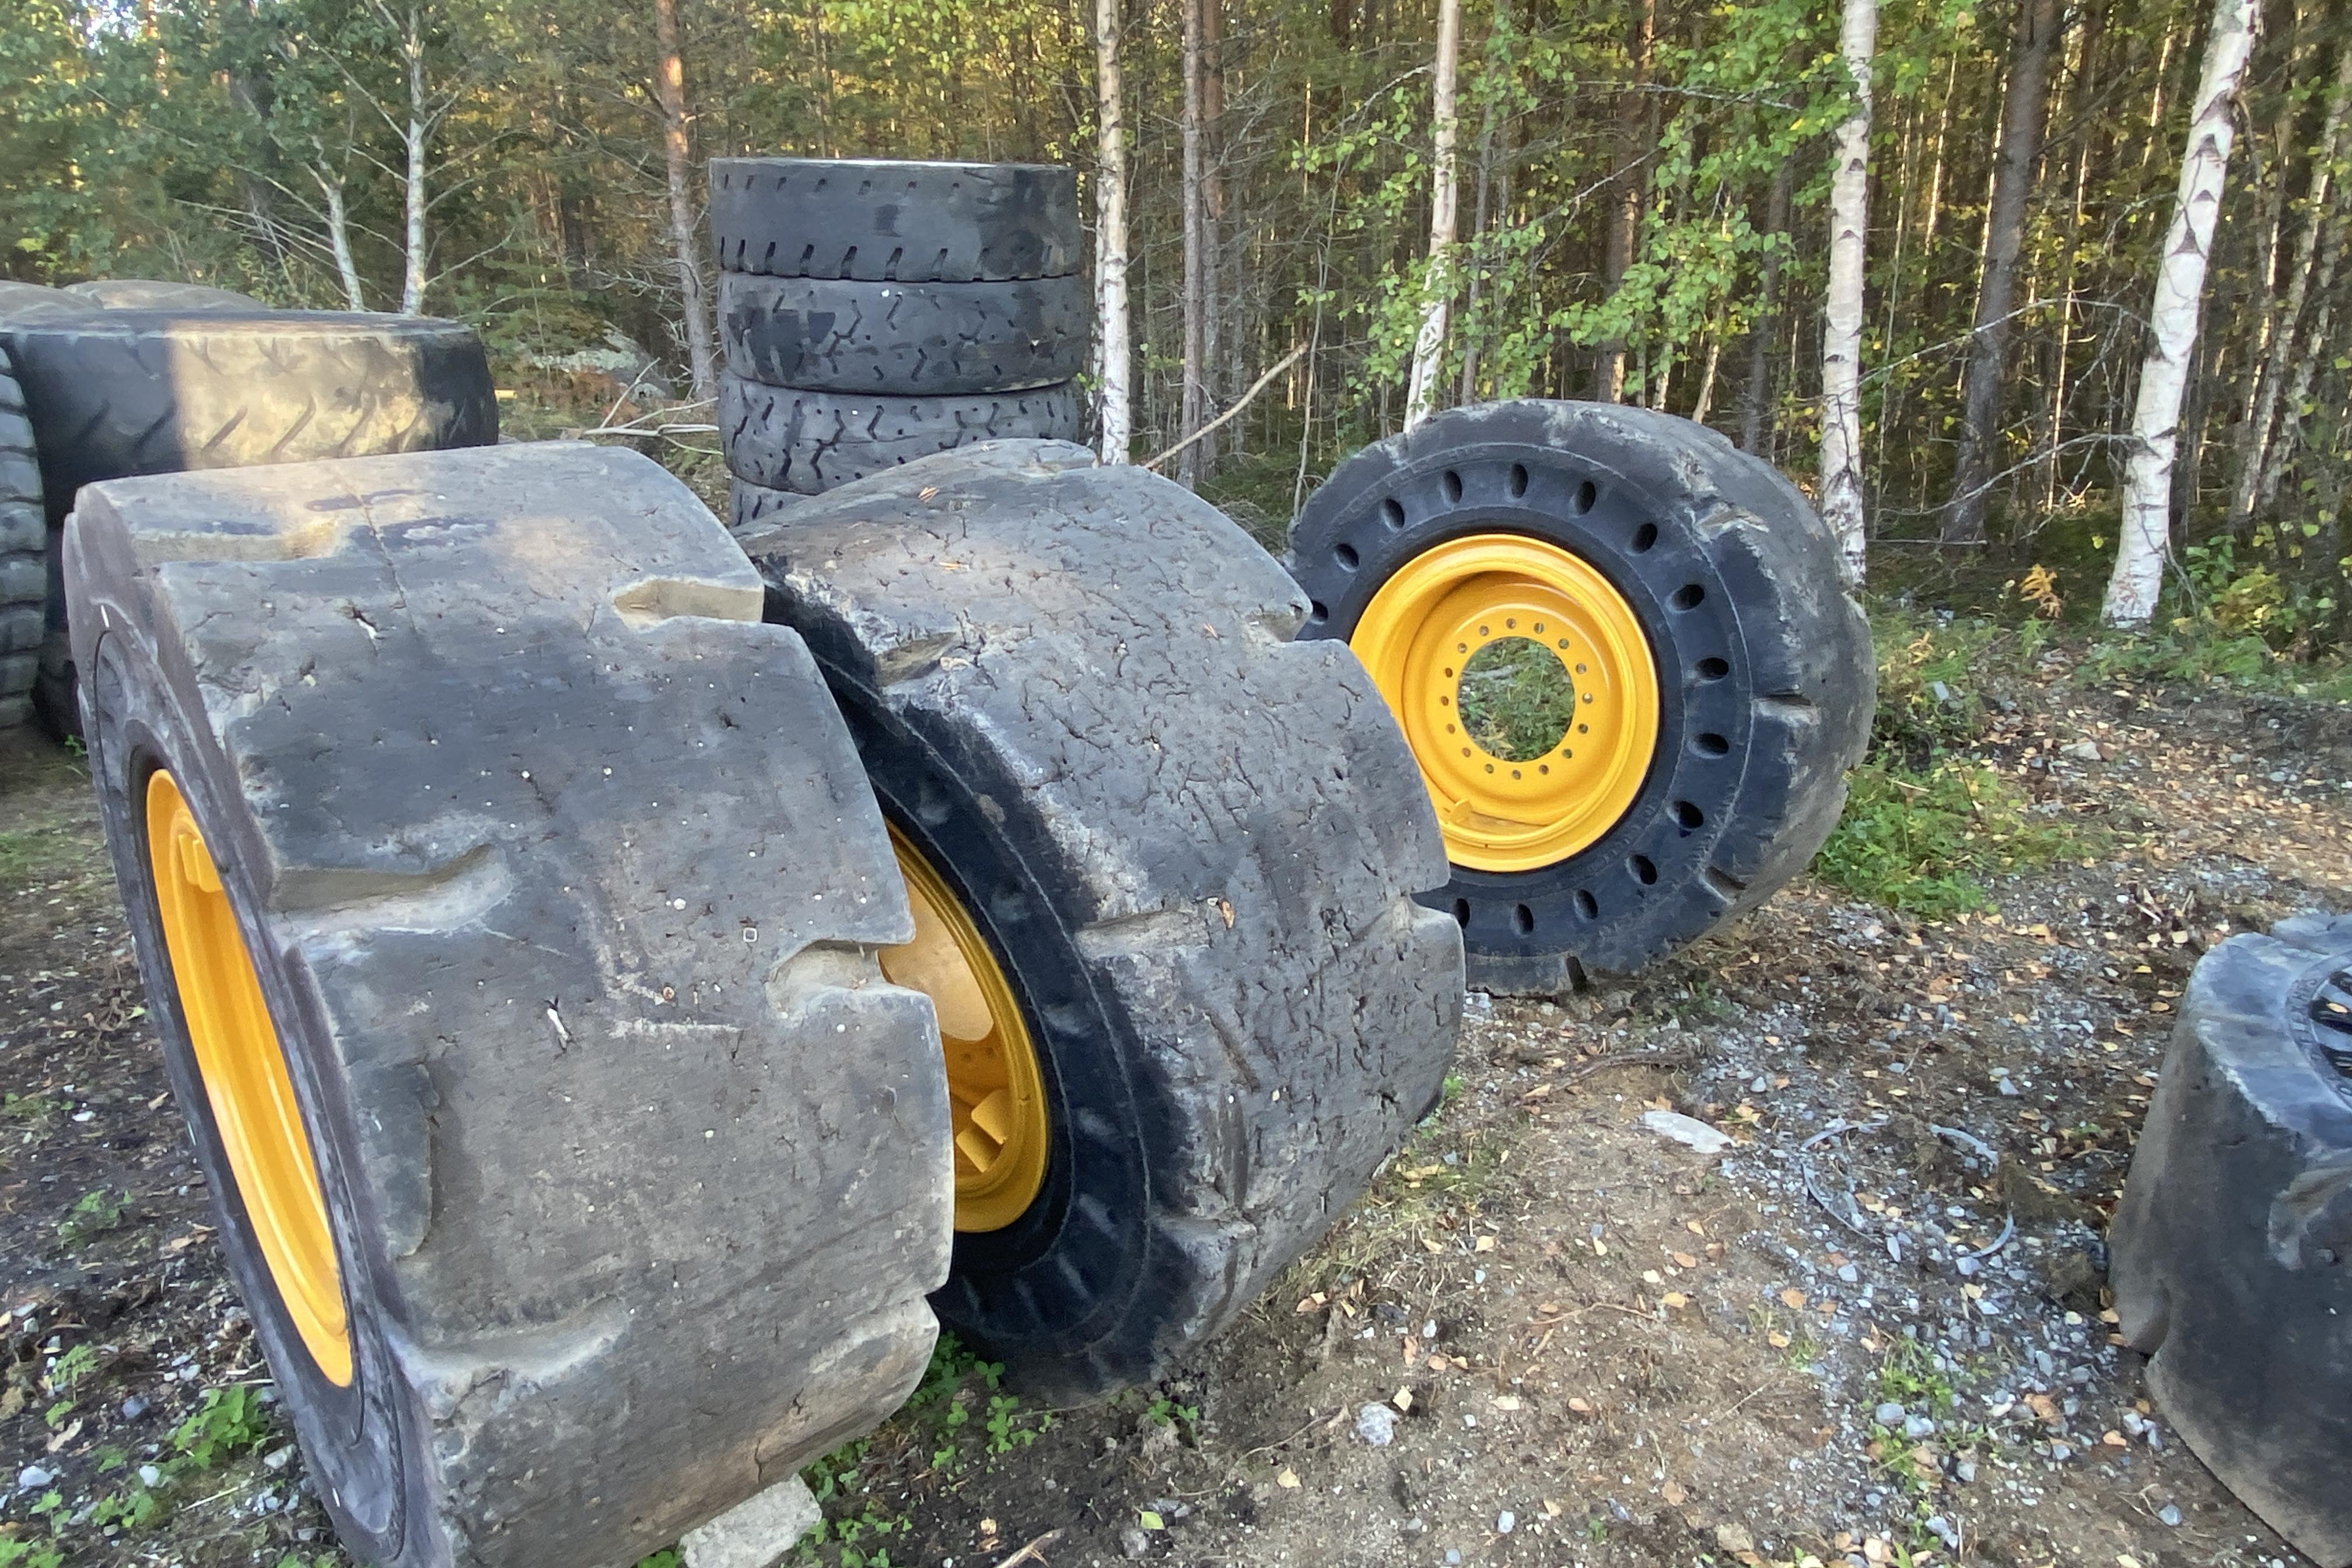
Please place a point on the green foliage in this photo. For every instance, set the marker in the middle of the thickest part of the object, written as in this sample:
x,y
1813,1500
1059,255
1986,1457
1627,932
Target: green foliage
x,y
74,1365
1922,840
1909,1375
228,1423
1517,700
93,1215
19,1553
667,1557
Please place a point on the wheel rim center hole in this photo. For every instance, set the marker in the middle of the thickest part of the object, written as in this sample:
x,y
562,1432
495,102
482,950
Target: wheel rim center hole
x,y
1516,699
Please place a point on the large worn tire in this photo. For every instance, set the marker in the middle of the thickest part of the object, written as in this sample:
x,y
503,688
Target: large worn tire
x,y
24,555
2230,1245
749,505
565,891
1763,676
1191,844
879,221
149,294
810,442
903,339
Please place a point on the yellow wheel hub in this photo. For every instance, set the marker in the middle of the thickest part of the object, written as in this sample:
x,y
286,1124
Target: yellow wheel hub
x,y
995,1090
244,1078
1435,615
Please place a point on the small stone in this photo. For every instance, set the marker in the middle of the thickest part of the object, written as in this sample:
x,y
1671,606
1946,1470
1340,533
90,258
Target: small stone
x,y
1415,1525
151,1476
1888,1415
2170,1514
1734,1539
1376,1424
2061,1453
1850,1274
277,1458
1686,1130
1505,1522
757,1533
32,1478
1966,1470
1917,1427
133,1408
1942,1529
1133,1541
2086,751
1452,1556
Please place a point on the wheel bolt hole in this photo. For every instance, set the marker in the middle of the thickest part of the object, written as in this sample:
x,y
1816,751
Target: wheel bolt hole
x,y
1691,818
1713,668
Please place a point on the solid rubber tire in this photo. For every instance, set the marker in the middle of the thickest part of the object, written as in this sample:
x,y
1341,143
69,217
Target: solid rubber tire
x,y
565,889
25,554
1757,745
2230,1246
748,504
903,339
1193,844
879,220
153,294
811,442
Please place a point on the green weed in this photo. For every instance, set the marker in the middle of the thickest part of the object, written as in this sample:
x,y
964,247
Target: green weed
x,y
229,1422
1517,700
72,1367
93,1215
1922,841
15,1553
1909,1375
1184,1418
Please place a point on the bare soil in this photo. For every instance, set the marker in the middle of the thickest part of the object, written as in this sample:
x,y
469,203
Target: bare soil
x,y
1597,1346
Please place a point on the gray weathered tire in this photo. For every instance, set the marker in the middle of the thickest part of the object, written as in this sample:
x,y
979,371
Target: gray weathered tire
x,y
24,555
810,442
565,889
887,221
2233,1246
152,294
750,504
1192,845
906,339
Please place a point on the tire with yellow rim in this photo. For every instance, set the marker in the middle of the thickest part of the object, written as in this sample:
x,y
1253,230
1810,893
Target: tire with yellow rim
x,y
1163,859
507,896
1625,659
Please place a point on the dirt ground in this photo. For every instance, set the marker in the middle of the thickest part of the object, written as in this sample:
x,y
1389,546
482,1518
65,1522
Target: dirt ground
x,y
1593,1345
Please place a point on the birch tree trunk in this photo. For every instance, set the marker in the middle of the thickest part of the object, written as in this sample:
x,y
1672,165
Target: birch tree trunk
x,y
1842,330
1191,412
416,139
1111,340
1437,281
669,91
2022,112
339,239
2144,536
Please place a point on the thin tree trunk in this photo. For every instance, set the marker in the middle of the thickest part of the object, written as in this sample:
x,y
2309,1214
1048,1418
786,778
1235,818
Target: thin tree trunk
x,y
1117,423
1212,226
2144,536
669,89
1478,223
2027,102
1633,179
1842,501
415,141
1189,418
1437,281
339,238
1759,394
1705,397
2282,447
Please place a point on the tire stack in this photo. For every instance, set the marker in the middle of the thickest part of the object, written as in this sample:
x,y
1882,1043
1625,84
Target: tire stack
x,y
875,312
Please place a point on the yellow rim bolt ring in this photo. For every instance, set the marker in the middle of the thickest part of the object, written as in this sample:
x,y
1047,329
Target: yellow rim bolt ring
x,y
1431,618
245,1081
995,1090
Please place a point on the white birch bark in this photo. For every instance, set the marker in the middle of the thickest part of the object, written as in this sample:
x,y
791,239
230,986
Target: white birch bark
x,y
685,249
415,139
1437,285
1842,329
1111,340
339,239
2146,532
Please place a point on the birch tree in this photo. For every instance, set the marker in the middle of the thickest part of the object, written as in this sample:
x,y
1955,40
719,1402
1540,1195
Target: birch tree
x,y
2145,535
1192,408
678,158
1437,288
1111,340
1842,329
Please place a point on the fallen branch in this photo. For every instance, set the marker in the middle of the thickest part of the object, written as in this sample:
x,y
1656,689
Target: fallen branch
x,y
1239,403
1031,1552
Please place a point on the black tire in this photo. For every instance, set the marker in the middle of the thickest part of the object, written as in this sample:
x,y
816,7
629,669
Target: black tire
x,y
565,890
149,294
1765,673
24,555
2230,1250
113,392
880,221
810,442
1192,845
749,506
903,339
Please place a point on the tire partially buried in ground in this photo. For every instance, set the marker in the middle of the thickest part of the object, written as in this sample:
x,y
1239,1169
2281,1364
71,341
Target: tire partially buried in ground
x,y
903,339
2231,1249
882,221
811,442
507,896
161,387
1175,852
1624,659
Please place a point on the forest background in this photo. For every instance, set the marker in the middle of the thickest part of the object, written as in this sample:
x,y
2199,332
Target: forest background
x,y
1645,203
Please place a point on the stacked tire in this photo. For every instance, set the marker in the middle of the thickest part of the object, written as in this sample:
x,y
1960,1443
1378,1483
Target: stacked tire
x,y
874,312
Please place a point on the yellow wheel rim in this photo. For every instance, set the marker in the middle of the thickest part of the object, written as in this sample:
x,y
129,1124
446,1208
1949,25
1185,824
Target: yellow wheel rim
x,y
244,1078
995,1092
1430,619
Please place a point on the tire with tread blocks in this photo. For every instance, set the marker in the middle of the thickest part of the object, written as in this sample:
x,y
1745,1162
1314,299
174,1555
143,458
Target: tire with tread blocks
x,y
1192,845
2230,1252
811,442
152,294
563,889
24,555
903,339
1765,676
748,504
884,221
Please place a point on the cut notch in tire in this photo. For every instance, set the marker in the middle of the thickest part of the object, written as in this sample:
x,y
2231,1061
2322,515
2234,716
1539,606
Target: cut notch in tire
x,y
1763,672
563,892
1192,842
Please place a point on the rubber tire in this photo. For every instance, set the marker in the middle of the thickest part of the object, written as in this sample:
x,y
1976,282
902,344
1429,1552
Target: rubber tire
x,y
903,339
24,555
1193,843
878,220
1790,714
149,294
2230,1248
751,506
811,442
566,890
